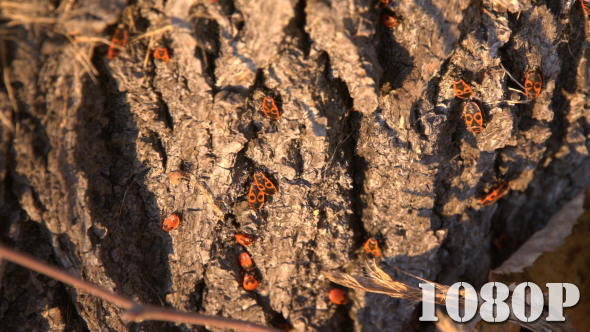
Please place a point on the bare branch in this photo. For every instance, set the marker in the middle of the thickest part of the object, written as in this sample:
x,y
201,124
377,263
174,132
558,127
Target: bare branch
x,y
134,311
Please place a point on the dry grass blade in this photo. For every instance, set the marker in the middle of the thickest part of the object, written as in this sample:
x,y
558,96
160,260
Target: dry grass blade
x,y
377,281
153,33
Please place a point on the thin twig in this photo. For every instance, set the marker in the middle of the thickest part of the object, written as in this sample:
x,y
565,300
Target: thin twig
x,y
515,81
133,311
83,59
147,53
87,39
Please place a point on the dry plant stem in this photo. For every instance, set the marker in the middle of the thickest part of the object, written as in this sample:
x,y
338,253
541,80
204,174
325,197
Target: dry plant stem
x,y
134,311
148,52
153,33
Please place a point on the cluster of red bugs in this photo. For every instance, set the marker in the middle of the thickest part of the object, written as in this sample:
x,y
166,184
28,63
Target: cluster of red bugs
x,y
249,281
533,84
472,114
585,6
119,41
471,111
259,189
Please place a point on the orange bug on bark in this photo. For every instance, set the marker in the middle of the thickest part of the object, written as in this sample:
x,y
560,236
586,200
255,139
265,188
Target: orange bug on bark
x,y
533,83
388,20
473,117
270,109
119,39
264,184
161,53
250,283
462,89
338,296
246,261
372,247
171,222
244,239
497,191
255,197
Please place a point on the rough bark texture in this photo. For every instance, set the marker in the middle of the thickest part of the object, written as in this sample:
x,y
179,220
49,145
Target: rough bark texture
x,y
371,142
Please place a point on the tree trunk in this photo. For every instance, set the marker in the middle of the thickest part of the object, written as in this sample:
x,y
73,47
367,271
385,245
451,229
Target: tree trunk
x,y
371,142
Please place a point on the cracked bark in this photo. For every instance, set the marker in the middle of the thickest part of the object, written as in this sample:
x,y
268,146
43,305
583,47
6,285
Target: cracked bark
x,y
371,142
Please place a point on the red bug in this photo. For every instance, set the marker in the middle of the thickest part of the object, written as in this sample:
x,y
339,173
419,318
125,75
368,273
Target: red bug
x,y
264,184
533,83
585,6
372,247
161,53
119,39
171,223
338,296
462,89
255,197
497,191
244,239
270,109
246,261
388,20
385,3
498,241
473,117
249,283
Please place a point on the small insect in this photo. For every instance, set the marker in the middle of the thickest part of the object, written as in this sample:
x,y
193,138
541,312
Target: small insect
x,y
533,84
372,247
462,89
285,327
171,223
255,197
338,296
473,117
246,261
264,184
161,53
497,191
385,3
388,20
119,39
498,241
244,239
270,109
250,283
585,6
176,176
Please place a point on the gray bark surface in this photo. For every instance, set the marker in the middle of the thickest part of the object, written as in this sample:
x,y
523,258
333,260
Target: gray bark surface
x,y
371,143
